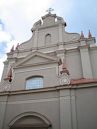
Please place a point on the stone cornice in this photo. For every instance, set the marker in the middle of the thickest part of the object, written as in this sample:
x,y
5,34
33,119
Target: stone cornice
x,y
49,89
35,64
88,39
43,47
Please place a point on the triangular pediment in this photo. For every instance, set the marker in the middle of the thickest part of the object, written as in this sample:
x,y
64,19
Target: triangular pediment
x,y
36,58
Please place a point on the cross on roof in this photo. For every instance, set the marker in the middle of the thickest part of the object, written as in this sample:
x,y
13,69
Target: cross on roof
x,y
50,10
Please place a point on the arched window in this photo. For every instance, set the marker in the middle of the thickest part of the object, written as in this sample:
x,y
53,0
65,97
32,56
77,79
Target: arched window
x,y
48,39
34,82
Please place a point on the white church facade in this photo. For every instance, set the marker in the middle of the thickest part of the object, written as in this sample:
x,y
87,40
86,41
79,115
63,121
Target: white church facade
x,y
50,81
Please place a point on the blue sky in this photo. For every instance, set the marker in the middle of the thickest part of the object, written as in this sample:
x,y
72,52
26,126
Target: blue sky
x,y
18,16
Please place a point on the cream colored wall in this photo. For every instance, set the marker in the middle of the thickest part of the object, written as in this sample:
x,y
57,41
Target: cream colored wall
x,y
49,73
65,108
3,103
43,32
73,61
93,57
86,108
47,104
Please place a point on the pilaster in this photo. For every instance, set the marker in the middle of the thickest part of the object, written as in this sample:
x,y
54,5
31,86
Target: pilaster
x,y
36,38
3,104
67,110
85,59
60,33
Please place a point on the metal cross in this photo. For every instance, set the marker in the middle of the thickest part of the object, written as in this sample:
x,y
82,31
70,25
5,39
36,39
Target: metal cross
x,y
50,10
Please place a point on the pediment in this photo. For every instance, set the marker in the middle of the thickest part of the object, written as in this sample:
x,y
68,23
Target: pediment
x,y
36,58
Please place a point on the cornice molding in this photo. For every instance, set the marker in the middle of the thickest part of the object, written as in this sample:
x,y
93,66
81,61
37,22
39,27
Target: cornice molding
x,y
35,64
49,89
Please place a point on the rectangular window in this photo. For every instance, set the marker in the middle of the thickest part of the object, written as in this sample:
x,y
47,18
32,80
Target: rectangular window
x,y
34,83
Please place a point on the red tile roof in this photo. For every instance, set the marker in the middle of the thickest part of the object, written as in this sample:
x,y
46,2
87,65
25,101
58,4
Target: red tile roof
x,y
83,81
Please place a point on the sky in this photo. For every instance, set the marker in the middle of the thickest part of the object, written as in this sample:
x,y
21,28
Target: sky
x,y
18,16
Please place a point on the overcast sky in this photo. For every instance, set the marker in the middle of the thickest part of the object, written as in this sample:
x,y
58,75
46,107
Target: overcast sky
x,y
17,18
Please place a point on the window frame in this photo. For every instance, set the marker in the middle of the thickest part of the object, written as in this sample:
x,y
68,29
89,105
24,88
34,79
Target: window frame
x,y
37,80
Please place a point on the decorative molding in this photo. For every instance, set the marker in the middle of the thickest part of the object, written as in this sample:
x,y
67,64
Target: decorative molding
x,y
64,79
38,54
74,84
31,114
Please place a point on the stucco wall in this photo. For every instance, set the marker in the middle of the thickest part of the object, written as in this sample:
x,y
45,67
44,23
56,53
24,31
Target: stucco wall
x,y
73,61
65,108
42,33
49,73
93,57
86,104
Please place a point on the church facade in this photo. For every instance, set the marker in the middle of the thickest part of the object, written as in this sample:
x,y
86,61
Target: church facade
x,y
50,81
